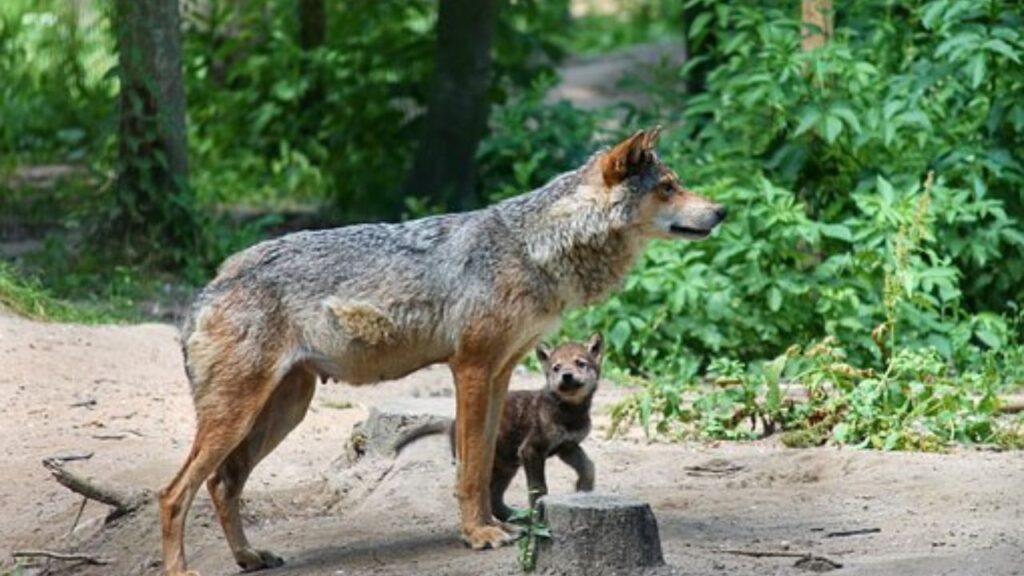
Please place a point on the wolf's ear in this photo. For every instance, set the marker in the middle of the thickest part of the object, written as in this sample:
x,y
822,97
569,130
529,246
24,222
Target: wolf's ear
x,y
651,137
595,346
543,353
627,157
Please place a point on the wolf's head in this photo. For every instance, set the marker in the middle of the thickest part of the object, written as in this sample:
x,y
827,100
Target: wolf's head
x,y
649,196
572,368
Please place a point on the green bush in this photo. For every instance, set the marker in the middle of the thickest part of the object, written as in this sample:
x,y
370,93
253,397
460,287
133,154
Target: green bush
x,y
873,188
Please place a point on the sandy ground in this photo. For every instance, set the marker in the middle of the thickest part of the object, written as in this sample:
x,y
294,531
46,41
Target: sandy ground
x,y
120,393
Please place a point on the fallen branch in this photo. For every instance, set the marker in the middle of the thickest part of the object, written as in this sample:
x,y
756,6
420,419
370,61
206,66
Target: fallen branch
x,y
60,556
802,557
766,553
71,456
857,532
122,502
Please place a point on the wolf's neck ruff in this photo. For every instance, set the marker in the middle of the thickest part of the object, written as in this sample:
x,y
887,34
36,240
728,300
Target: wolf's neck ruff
x,y
575,234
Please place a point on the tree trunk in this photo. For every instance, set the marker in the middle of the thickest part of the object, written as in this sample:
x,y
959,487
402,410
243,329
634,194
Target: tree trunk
x,y
152,183
312,24
817,23
444,168
312,33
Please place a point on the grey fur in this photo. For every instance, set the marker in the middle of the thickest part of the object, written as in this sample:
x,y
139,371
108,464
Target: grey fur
x,y
428,277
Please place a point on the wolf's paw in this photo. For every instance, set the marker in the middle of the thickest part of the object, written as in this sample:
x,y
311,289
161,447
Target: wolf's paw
x,y
251,560
483,537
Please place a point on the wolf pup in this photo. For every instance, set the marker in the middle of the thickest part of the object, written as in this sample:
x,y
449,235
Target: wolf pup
x,y
374,302
538,424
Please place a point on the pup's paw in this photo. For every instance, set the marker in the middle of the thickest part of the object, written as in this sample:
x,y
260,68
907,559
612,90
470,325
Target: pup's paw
x,y
483,537
516,530
251,560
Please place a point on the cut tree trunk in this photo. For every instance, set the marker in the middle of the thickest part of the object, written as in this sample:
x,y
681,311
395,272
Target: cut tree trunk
x,y
444,168
594,534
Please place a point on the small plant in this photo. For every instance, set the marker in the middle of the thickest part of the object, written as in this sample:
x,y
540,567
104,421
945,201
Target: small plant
x,y
534,529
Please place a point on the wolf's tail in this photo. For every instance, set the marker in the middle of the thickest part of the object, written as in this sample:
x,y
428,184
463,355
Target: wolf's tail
x,y
445,426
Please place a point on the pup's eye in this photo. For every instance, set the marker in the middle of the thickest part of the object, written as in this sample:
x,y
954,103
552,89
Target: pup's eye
x,y
581,363
557,367
666,189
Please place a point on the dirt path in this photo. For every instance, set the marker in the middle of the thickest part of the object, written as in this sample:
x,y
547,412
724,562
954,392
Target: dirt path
x,y
119,392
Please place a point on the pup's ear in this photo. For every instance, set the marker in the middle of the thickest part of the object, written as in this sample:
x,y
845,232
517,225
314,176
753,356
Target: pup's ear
x,y
595,346
543,353
626,158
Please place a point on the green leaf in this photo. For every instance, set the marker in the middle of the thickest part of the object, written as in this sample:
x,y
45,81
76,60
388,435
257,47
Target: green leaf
x,y
620,334
1000,47
976,69
837,231
699,24
886,190
807,121
848,116
989,338
833,127
774,299
841,433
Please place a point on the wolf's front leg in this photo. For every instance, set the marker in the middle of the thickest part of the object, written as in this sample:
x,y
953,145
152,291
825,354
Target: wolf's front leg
x,y
479,398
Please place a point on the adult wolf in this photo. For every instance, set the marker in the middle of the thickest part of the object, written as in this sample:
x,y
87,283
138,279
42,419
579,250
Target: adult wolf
x,y
373,302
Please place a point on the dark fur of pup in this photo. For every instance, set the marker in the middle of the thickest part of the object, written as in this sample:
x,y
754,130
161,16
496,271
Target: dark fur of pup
x,y
538,424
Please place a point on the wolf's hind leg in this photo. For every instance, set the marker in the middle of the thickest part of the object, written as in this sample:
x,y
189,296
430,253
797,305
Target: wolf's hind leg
x,y
224,417
285,408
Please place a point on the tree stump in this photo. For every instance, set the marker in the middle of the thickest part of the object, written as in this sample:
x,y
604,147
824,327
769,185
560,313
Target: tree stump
x,y
596,534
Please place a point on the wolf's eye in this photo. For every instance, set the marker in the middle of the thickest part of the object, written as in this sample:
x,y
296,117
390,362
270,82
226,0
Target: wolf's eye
x,y
557,367
666,189
581,363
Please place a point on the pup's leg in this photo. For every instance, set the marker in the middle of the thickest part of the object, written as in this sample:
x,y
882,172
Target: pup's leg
x,y
479,398
578,460
533,458
283,411
502,477
224,415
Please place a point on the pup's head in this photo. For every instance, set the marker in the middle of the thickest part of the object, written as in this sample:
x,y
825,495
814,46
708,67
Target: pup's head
x,y
650,195
573,368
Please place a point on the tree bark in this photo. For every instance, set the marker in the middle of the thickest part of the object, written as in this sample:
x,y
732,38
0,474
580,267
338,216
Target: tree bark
x,y
152,182
312,34
595,534
312,24
817,23
444,168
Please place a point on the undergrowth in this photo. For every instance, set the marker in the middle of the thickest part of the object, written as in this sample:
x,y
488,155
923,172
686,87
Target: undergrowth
x,y
28,297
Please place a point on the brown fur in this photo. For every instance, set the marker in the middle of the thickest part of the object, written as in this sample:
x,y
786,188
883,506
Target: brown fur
x,y
538,424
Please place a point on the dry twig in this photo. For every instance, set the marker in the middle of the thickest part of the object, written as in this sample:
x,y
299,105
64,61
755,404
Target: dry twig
x,y
122,502
59,556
